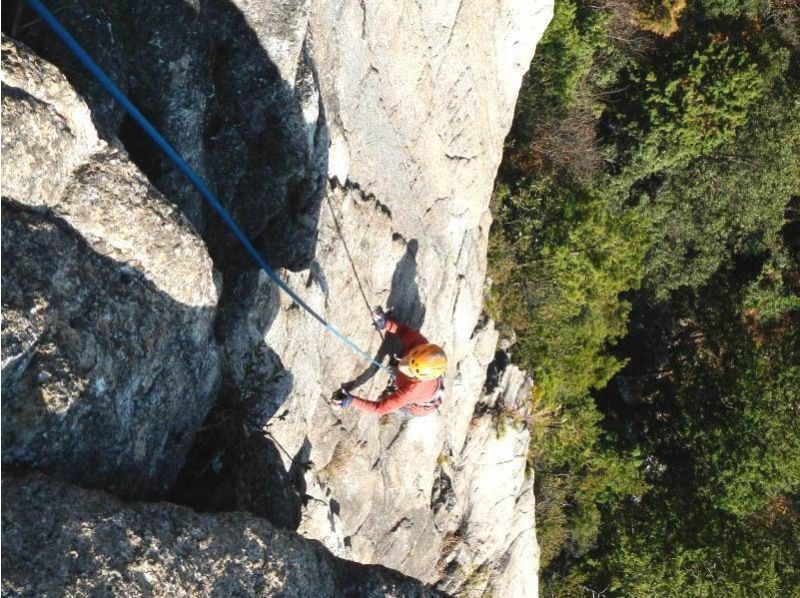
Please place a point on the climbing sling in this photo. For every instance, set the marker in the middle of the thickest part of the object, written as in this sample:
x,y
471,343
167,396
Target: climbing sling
x,y
205,192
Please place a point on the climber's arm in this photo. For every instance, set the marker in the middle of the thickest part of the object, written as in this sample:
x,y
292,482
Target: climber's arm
x,y
393,402
408,336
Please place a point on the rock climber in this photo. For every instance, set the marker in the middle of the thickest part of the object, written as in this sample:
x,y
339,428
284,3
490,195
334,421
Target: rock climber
x,y
419,382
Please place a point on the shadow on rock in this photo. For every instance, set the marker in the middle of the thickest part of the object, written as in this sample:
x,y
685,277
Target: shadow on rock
x,y
252,125
105,376
404,299
404,305
57,536
101,28
235,466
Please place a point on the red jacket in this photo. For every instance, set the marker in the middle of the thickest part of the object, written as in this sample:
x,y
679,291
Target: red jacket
x,y
411,393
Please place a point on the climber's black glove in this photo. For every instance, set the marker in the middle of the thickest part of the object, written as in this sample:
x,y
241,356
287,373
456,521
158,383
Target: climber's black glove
x,y
342,399
379,317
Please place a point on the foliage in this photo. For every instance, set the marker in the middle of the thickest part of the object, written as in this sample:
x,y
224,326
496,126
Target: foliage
x,y
661,17
732,8
708,558
685,111
724,421
554,125
770,297
649,177
562,60
729,203
571,276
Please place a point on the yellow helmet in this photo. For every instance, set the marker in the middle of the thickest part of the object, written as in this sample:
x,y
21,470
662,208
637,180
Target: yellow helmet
x,y
425,362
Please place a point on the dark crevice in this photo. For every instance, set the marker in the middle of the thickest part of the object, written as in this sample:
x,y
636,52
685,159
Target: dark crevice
x,y
442,494
234,466
349,185
142,150
494,372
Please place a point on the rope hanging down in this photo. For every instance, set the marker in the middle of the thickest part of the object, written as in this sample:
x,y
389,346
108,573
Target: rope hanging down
x,y
352,263
151,132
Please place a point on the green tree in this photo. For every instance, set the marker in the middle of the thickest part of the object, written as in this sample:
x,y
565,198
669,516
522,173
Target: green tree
x,y
648,176
565,284
729,203
688,108
560,260
721,428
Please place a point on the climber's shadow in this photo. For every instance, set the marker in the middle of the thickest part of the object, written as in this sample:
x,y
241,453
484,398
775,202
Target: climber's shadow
x,y
404,299
404,305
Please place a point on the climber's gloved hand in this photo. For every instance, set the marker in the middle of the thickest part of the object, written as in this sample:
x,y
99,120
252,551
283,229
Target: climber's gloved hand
x,y
379,317
342,399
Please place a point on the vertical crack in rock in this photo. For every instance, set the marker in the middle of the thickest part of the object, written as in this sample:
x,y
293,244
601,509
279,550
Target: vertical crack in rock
x,y
495,371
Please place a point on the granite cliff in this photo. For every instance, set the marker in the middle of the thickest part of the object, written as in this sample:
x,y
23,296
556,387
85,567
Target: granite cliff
x,y
144,356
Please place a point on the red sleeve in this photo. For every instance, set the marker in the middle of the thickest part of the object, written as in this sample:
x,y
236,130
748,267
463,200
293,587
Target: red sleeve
x,y
408,336
393,402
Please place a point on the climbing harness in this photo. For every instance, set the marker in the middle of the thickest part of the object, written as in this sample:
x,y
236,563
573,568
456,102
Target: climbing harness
x,y
210,198
436,400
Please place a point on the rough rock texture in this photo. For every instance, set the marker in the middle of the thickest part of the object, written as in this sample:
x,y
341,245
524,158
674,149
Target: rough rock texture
x,y
109,298
484,484
60,540
420,96
384,121
423,495
417,141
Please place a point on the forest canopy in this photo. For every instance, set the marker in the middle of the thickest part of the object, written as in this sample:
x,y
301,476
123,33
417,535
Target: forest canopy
x,y
646,258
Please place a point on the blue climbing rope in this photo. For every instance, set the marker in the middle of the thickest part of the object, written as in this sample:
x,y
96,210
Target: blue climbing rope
x,y
212,200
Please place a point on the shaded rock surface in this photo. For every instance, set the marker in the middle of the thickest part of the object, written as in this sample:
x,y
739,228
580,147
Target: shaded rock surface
x,y
232,86
381,123
109,297
61,540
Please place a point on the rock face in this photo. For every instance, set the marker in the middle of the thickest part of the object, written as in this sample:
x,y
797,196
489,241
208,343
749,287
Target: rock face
x,y
357,144
232,86
375,486
91,544
109,297
415,147
484,484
